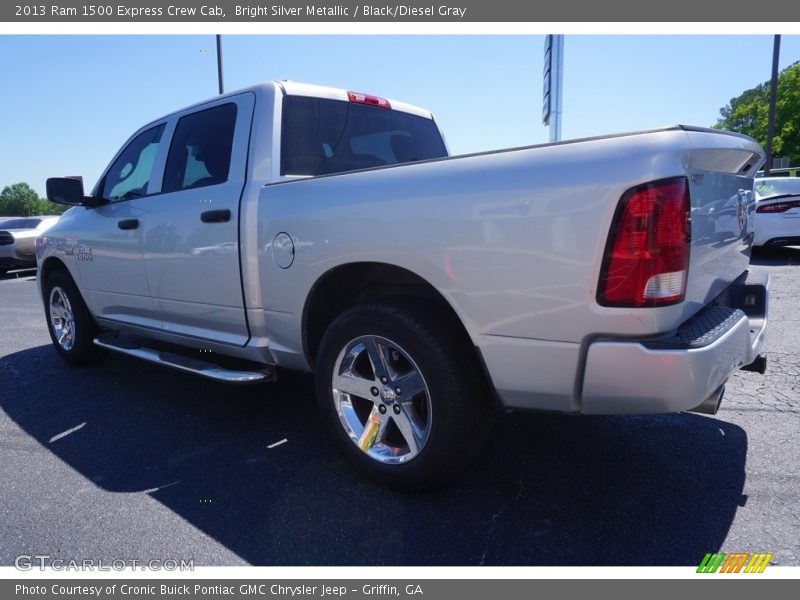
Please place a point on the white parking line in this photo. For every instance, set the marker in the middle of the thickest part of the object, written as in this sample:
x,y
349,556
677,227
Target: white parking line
x,y
161,487
55,438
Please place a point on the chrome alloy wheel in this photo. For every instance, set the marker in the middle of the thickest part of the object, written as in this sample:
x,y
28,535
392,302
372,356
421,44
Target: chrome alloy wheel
x,y
382,399
62,319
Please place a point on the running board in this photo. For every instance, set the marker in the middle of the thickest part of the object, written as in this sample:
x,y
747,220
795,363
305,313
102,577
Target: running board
x,y
185,363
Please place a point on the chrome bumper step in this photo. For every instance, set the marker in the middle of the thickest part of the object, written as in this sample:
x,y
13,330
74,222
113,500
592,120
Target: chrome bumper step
x,y
185,363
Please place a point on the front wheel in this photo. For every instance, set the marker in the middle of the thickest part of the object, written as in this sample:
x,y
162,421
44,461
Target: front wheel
x,y
402,393
71,327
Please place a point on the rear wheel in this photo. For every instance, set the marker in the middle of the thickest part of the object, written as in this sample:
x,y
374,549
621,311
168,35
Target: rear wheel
x,y
401,393
71,327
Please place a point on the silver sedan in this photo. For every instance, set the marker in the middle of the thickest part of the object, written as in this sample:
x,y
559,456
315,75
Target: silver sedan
x,y
18,240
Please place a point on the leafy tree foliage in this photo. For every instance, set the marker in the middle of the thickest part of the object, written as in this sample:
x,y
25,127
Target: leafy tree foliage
x,y
21,200
748,114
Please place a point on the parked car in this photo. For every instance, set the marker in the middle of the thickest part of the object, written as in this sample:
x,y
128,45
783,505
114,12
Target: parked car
x,y
4,219
777,218
18,239
781,172
420,288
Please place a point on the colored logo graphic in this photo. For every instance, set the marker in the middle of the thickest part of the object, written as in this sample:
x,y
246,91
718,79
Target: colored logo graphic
x,y
736,562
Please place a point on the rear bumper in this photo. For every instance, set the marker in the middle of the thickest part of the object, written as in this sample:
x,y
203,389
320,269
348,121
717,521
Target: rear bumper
x,y
780,242
776,230
679,371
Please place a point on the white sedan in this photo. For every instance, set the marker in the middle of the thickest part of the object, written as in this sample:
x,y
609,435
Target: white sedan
x,y
777,220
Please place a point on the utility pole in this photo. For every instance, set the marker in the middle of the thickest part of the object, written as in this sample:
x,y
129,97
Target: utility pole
x,y
773,98
219,64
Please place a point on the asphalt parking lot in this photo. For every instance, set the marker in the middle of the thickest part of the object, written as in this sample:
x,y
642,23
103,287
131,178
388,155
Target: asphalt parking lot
x,y
128,460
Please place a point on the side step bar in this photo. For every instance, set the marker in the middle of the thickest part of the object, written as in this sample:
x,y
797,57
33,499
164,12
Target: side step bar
x,y
185,363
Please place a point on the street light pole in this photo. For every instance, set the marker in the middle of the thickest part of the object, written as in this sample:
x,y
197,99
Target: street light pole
x,y
773,98
219,64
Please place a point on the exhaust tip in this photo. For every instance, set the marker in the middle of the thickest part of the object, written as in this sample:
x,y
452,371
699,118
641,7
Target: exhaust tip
x,y
710,405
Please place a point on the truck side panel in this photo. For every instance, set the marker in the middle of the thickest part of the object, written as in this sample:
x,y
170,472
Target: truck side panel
x,y
513,240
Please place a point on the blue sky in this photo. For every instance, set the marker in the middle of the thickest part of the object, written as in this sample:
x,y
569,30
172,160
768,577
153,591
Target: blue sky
x,y
68,102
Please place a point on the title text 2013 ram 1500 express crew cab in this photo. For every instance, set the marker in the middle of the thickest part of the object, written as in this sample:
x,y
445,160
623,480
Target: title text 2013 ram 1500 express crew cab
x,y
276,225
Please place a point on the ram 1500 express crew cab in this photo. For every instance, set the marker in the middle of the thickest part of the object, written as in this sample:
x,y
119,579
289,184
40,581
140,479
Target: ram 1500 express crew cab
x,y
302,227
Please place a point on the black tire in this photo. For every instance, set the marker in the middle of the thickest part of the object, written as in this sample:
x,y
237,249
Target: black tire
x,y
461,406
3,271
81,350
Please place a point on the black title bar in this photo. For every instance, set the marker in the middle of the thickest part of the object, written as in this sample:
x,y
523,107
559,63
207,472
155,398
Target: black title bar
x,y
409,11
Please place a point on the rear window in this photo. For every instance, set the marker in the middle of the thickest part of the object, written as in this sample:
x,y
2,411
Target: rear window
x,y
321,136
766,188
20,224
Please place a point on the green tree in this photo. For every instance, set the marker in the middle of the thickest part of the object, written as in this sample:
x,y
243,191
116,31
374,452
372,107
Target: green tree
x,y
748,113
21,200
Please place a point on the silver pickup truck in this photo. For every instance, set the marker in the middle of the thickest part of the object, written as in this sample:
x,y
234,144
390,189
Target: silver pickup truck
x,y
302,227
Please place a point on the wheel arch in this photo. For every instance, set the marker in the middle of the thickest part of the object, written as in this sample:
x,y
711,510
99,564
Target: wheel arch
x,y
343,286
48,266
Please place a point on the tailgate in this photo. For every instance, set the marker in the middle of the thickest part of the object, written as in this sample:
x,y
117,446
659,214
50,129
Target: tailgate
x,y
721,166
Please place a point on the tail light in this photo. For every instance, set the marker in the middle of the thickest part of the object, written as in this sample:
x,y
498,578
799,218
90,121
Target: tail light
x,y
647,255
778,207
359,98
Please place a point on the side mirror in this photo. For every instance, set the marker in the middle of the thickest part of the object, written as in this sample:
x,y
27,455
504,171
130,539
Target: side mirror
x,y
69,191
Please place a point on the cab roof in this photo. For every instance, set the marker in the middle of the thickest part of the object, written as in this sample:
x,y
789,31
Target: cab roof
x,y
294,88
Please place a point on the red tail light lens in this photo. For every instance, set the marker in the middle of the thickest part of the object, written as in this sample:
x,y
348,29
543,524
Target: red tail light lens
x,y
647,256
360,98
778,207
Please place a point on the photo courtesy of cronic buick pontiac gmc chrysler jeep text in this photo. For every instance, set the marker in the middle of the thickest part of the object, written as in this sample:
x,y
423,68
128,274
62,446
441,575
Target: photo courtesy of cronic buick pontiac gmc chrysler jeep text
x,y
301,227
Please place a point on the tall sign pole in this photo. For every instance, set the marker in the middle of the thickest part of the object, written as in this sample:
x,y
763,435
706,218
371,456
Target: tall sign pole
x,y
553,80
219,64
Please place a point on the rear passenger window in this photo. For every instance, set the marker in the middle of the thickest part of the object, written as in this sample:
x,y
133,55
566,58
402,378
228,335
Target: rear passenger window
x,y
200,152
